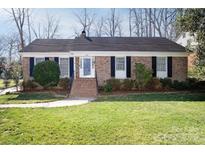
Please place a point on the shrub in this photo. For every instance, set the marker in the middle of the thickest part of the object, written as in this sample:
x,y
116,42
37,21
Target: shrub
x,y
200,85
29,84
47,73
155,84
166,82
143,75
6,83
16,73
197,72
127,84
115,84
192,82
183,85
64,83
107,88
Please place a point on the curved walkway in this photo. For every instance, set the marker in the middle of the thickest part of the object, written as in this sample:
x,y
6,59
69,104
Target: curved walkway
x,y
4,91
61,103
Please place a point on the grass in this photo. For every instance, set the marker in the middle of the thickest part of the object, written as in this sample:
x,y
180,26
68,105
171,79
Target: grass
x,y
27,98
133,119
11,84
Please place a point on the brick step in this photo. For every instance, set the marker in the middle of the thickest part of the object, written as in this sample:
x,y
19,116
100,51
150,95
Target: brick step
x,y
84,88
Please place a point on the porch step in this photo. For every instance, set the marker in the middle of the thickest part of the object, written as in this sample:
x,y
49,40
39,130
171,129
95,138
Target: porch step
x,y
84,88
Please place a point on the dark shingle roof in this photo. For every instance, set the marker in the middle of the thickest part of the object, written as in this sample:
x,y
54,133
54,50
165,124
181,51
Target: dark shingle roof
x,y
104,44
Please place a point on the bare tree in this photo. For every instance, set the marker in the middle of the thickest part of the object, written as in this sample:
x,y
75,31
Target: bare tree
x,y
130,22
136,22
154,17
98,27
49,30
157,20
19,16
9,46
86,20
28,15
112,24
141,23
12,44
2,45
150,23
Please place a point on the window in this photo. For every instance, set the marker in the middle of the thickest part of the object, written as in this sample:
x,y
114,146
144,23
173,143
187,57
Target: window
x,y
161,64
120,63
38,60
64,67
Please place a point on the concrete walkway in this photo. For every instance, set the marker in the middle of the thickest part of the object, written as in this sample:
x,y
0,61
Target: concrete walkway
x,y
11,90
61,103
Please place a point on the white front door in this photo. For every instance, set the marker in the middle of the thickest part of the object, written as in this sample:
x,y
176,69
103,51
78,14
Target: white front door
x,y
87,67
120,67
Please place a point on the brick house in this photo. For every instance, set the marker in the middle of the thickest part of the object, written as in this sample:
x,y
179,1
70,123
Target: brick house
x,y
90,61
188,40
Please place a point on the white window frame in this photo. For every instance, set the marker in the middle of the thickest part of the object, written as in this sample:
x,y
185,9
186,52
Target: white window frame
x,y
38,58
121,74
162,74
59,62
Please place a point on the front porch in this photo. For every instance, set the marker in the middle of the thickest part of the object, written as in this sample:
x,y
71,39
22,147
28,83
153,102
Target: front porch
x,y
84,81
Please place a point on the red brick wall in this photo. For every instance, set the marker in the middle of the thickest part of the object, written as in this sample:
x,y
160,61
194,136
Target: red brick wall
x,y
26,67
102,66
179,68
147,61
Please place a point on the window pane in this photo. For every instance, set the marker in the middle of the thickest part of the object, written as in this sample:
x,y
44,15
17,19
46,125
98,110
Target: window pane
x,y
161,64
120,64
64,67
86,66
38,60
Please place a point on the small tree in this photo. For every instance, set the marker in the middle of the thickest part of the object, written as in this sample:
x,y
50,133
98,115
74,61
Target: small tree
x,y
16,73
2,65
6,76
47,73
143,75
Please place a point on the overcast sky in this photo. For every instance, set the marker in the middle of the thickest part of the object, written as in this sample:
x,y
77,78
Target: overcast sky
x,y
68,21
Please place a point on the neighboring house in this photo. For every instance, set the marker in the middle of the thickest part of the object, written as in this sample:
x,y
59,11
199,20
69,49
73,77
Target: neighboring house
x,y
188,41
93,60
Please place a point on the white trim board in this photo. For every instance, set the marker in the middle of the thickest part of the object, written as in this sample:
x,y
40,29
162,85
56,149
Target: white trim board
x,y
104,53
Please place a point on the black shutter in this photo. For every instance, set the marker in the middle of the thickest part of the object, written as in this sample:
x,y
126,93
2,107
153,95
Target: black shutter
x,y
154,67
71,61
31,65
112,66
169,66
56,59
46,58
128,64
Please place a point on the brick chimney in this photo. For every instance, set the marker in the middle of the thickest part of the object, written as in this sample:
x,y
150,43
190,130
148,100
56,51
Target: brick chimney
x,y
83,34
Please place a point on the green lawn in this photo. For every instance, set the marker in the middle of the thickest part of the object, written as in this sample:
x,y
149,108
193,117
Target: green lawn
x,y
12,83
134,119
26,98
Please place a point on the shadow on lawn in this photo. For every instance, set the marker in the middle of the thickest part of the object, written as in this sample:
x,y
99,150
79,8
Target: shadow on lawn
x,y
156,97
33,96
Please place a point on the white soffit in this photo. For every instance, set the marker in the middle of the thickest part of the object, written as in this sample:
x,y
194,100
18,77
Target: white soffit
x,y
103,53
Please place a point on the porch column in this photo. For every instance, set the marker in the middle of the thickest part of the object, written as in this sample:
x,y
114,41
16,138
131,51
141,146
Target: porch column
x,y
77,64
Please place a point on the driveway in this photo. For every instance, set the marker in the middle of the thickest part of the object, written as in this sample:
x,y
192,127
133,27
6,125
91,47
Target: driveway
x,y
61,103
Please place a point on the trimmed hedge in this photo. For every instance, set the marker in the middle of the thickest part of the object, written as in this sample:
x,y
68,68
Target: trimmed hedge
x,y
47,73
64,83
